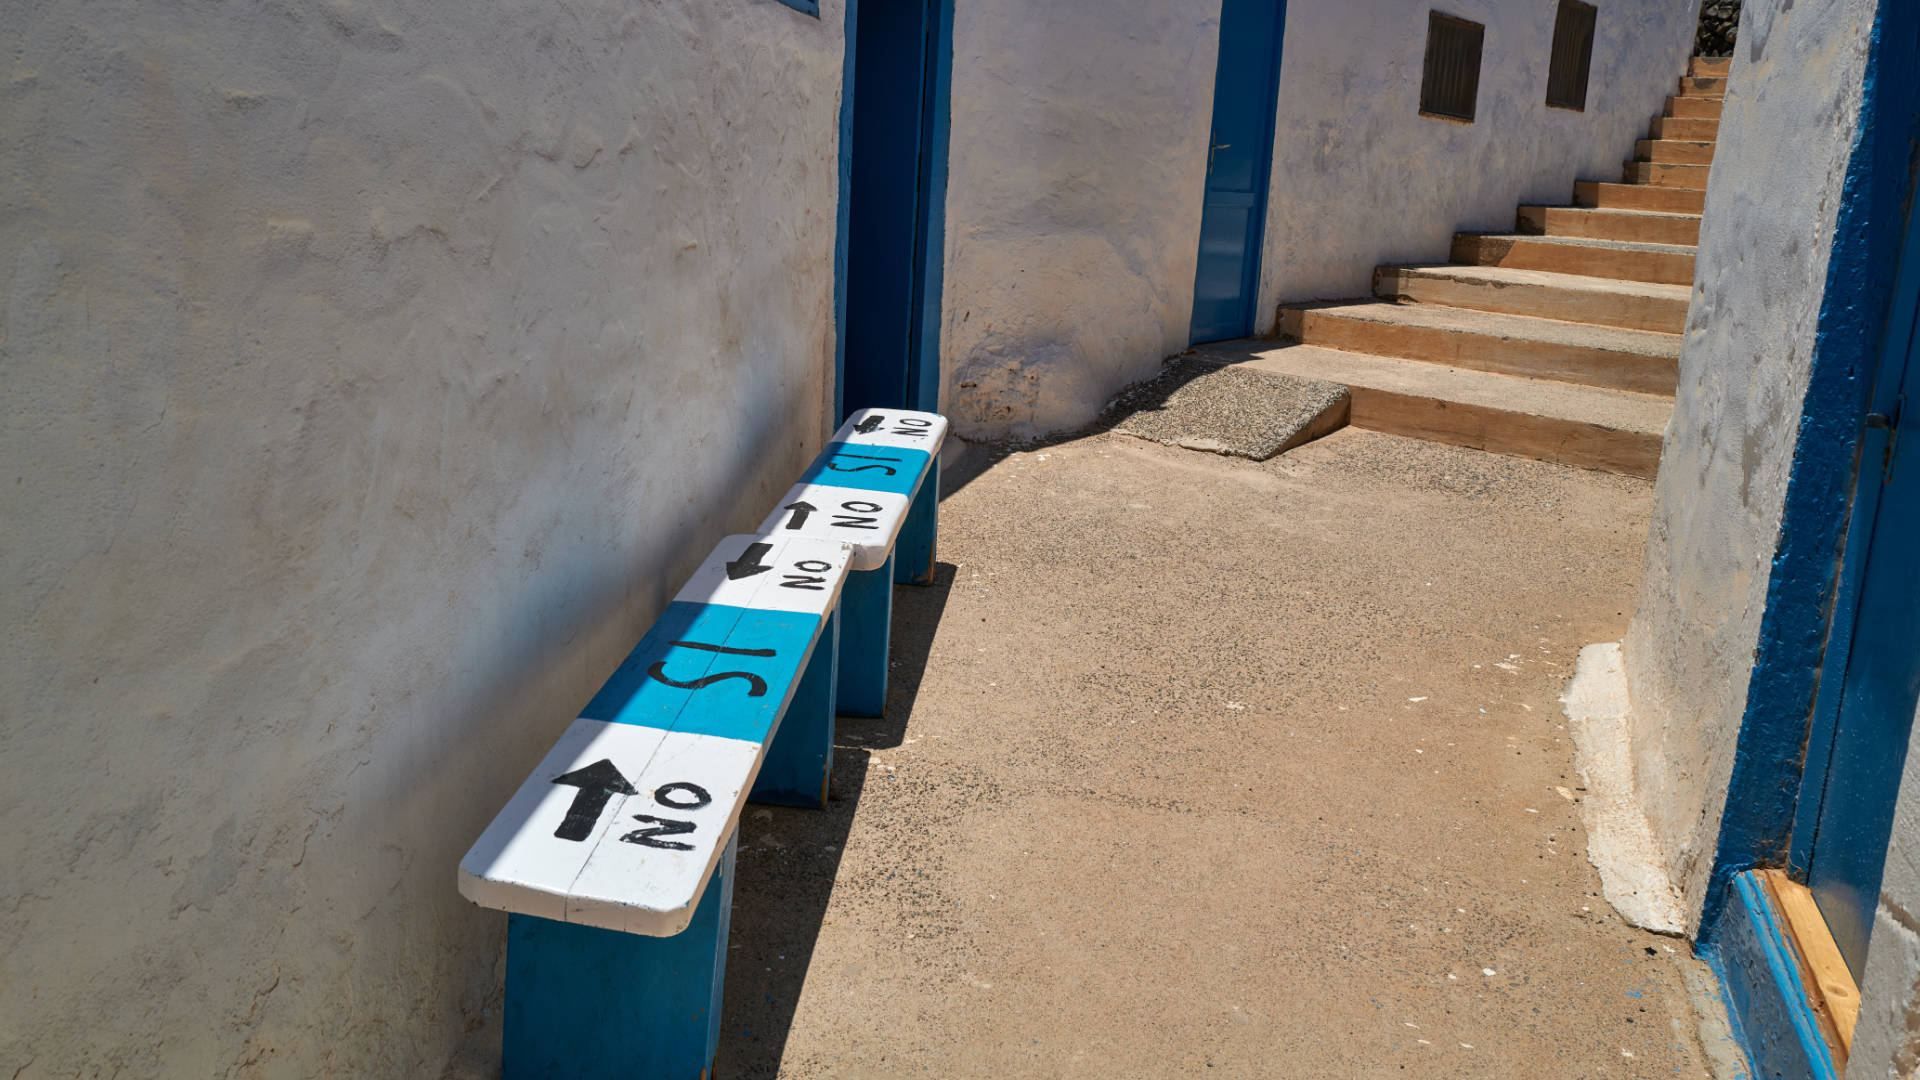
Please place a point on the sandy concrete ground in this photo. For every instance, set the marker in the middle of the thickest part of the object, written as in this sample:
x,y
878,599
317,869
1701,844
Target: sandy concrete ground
x,y
1198,766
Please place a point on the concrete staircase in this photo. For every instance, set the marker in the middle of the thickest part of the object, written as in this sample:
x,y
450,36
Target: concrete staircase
x,y
1559,341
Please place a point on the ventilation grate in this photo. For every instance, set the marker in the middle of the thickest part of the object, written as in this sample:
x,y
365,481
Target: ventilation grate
x,y
1572,55
1451,82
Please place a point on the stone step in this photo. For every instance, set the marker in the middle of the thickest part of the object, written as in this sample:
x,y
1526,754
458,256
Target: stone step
x,y
1694,108
1665,264
1661,174
1680,127
1490,341
1607,196
1607,430
1711,67
1636,226
1631,305
1674,151
1703,86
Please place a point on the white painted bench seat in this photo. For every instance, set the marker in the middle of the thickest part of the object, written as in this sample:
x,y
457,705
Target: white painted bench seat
x,y
668,751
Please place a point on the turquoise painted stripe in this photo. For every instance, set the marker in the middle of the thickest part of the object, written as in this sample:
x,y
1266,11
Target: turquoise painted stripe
x,y
736,694
868,468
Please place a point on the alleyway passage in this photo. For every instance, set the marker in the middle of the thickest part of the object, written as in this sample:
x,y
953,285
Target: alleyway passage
x,y
1196,766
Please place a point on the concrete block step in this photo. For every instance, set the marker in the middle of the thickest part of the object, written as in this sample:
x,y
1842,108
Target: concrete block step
x,y
1631,305
1703,86
1607,196
1660,174
1714,67
1637,226
1674,151
1665,264
1680,127
1607,430
1694,108
1490,341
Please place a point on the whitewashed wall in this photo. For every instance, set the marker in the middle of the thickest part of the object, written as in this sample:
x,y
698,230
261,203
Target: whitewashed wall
x,y
1758,286
1360,178
1079,145
372,373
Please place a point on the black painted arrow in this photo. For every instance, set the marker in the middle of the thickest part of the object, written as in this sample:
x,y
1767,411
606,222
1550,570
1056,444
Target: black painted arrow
x,y
800,512
749,564
597,782
872,421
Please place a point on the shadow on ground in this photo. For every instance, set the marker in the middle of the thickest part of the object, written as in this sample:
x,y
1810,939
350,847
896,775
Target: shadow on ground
x,y
785,881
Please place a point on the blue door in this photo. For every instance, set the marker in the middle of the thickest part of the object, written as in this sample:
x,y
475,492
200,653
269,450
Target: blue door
x,y
895,187
1233,216
1872,708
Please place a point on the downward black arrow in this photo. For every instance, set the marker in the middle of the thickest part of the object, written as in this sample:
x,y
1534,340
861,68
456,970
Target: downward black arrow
x,y
800,512
749,564
872,421
597,782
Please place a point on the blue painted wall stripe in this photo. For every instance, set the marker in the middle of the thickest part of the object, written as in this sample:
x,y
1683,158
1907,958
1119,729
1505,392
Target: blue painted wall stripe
x,y
1765,998
1757,821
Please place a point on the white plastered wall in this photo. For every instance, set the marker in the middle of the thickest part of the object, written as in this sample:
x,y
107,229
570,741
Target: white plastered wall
x,y
1361,178
1758,288
373,373
1079,135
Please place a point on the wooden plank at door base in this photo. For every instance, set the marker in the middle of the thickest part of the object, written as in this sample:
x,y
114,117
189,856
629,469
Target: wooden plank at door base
x,y
1830,986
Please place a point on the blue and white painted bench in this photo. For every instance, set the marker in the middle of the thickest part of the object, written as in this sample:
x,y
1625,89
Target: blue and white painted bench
x,y
615,858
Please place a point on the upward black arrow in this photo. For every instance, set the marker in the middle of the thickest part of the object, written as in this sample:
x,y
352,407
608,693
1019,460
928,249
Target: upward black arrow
x,y
800,512
749,564
597,782
872,421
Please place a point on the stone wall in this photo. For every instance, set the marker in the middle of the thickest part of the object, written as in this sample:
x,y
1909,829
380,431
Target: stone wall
x,y
373,375
1719,28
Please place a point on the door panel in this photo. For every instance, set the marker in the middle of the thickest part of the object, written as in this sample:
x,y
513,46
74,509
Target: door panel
x,y
1881,677
1232,214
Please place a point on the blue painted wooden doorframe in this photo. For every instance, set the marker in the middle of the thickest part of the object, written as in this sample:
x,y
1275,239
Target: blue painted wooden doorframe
x,y
893,178
1862,720
1246,84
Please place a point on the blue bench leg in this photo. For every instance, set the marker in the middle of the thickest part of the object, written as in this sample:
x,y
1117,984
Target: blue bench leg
x,y
866,609
586,1002
914,550
800,759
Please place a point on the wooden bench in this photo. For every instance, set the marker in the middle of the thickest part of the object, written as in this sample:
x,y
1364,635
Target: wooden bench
x,y
615,858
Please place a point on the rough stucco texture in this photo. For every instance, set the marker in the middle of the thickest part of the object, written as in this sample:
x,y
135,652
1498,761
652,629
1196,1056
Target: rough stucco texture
x,y
1079,136
1744,364
1886,1040
372,375
1361,178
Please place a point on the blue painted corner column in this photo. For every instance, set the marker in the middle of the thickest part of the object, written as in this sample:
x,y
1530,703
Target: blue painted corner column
x,y
799,761
584,1002
866,609
1767,1001
914,551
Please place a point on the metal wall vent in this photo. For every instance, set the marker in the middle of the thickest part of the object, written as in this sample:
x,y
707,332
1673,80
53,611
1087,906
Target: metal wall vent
x,y
1572,55
1451,83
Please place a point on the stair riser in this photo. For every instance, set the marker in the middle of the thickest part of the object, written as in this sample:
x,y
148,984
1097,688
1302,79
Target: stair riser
x,y
1567,442
1634,228
1665,268
1638,197
1694,108
1656,174
1702,86
1483,352
1674,151
1710,68
1539,301
1693,130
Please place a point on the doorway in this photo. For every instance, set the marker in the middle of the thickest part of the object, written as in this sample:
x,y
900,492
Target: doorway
x,y
1858,747
893,132
1246,85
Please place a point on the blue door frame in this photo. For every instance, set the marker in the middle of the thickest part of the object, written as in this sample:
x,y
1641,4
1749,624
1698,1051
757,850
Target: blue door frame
x,y
1246,86
889,254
